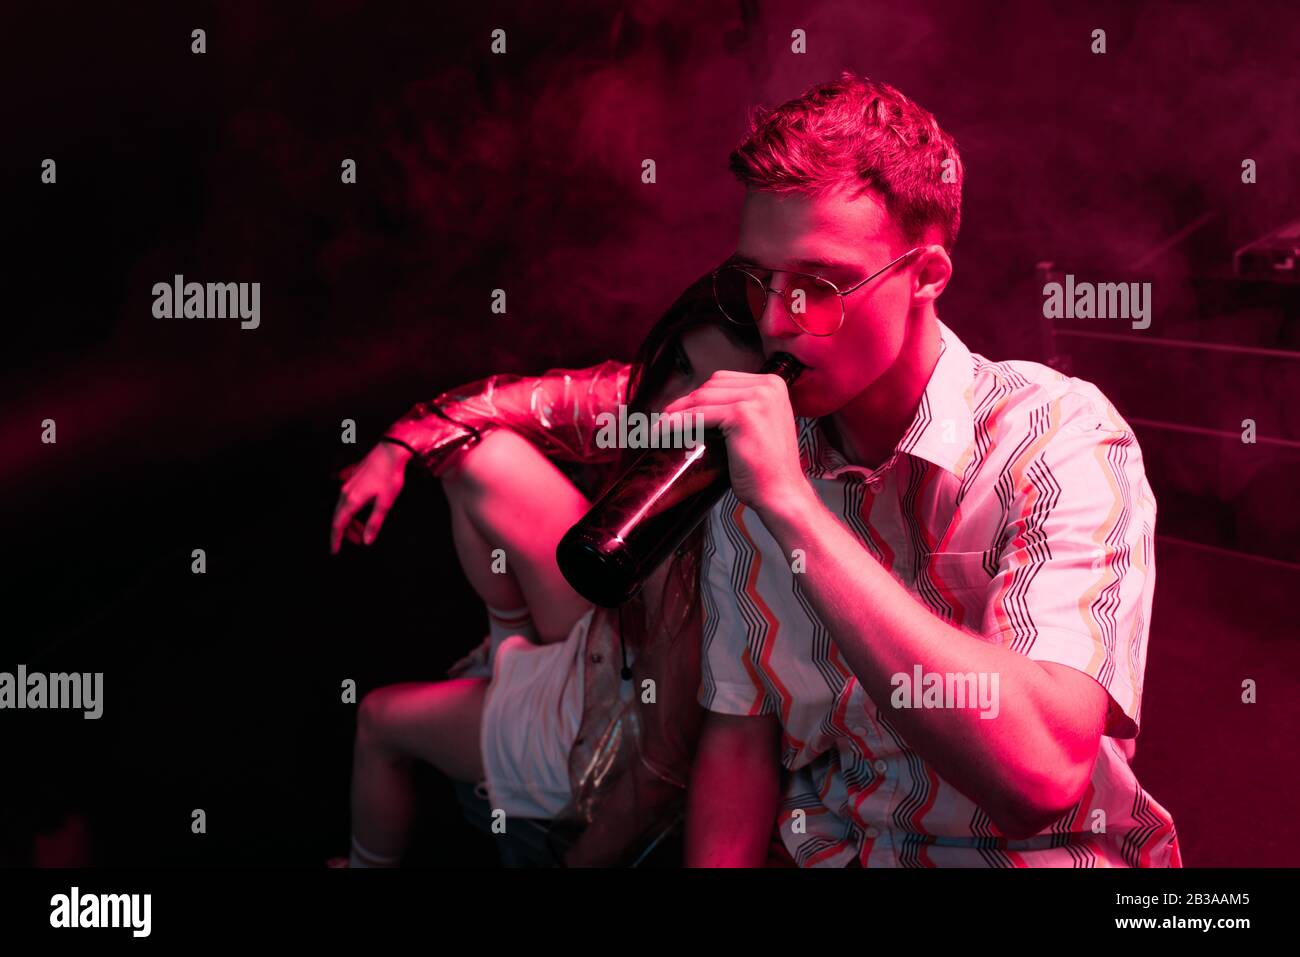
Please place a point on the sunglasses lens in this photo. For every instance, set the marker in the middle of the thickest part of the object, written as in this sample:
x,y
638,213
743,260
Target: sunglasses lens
x,y
739,294
813,304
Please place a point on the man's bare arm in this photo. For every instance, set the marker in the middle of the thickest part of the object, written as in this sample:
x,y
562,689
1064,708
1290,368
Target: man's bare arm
x,y
734,791
1026,767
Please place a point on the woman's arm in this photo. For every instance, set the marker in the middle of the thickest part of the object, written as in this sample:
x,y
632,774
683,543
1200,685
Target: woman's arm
x,y
556,411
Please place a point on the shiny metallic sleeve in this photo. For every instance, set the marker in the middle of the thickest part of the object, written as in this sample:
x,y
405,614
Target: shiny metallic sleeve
x,y
556,411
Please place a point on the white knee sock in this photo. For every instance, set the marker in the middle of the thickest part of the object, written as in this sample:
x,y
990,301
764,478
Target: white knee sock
x,y
503,622
360,857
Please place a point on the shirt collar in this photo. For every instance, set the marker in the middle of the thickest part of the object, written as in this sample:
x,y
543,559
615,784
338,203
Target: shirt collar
x,y
941,432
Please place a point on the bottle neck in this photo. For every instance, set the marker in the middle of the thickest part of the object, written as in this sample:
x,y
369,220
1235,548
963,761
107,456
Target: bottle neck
x,y
783,364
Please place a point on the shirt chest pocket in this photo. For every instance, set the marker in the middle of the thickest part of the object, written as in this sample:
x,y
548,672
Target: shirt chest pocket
x,y
955,585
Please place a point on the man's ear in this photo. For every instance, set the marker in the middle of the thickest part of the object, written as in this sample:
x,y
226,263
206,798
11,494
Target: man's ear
x,y
933,269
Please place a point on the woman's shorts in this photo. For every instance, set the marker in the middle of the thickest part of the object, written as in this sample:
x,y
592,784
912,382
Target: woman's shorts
x,y
530,718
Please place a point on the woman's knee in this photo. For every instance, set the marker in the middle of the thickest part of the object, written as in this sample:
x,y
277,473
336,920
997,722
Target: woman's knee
x,y
369,713
498,457
375,716
434,722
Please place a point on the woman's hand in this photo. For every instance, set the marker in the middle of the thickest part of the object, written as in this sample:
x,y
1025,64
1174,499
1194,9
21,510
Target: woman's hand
x,y
375,481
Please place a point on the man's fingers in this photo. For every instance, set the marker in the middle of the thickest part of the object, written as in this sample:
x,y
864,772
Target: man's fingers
x,y
739,376
714,415
708,395
726,379
736,380
716,393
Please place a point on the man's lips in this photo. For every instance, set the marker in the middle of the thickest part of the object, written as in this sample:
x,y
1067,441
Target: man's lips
x,y
806,367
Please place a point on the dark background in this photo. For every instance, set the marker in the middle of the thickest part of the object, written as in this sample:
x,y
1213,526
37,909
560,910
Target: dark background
x,y
522,172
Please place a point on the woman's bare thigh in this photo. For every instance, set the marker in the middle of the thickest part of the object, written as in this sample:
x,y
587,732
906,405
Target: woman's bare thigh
x,y
519,502
437,722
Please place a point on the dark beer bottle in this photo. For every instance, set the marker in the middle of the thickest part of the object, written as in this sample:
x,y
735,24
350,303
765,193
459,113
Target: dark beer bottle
x,y
647,513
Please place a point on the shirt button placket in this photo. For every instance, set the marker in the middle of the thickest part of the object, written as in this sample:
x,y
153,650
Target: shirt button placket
x,y
877,482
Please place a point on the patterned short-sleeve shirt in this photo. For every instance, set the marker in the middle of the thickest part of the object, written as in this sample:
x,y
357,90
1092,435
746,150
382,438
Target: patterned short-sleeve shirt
x,y
1016,507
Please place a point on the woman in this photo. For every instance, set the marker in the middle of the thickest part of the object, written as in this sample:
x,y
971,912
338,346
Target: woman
x,y
550,728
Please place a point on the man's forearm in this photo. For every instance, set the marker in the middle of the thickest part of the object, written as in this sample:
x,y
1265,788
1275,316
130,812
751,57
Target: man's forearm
x,y
1022,767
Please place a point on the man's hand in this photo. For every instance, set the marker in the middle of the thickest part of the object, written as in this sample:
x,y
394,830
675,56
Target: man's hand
x,y
377,479
755,416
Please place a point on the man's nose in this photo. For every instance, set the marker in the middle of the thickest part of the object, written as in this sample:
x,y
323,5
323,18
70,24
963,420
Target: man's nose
x,y
776,321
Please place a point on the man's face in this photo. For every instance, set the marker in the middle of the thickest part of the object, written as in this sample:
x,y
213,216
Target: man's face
x,y
844,241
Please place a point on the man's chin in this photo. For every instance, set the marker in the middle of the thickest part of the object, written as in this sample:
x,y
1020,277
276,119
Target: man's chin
x,y
810,406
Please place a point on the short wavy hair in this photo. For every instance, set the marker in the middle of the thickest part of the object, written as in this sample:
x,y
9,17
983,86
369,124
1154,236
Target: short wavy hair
x,y
858,131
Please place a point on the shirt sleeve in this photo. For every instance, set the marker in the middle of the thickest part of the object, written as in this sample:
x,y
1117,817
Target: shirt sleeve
x,y
1076,569
729,679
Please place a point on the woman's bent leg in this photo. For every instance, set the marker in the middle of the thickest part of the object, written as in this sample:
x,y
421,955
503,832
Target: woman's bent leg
x,y
505,494
438,723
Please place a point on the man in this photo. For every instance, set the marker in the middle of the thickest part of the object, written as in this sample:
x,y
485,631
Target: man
x,y
928,596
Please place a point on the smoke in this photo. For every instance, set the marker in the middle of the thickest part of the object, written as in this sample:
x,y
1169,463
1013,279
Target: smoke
x,y
523,172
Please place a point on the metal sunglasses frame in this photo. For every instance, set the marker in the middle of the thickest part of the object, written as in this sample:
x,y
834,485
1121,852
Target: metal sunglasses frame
x,y
768,290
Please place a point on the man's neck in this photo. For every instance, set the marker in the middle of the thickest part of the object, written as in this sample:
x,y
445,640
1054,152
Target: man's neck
x,y
867,429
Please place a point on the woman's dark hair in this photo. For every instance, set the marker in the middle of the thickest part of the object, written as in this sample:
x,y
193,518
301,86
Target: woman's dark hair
x,y
655,358
652,367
